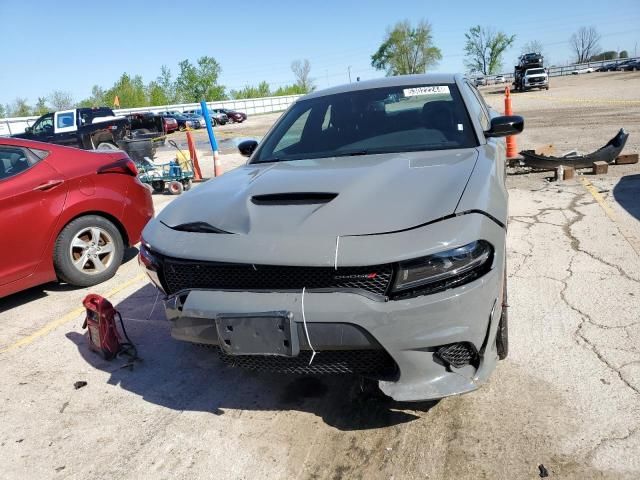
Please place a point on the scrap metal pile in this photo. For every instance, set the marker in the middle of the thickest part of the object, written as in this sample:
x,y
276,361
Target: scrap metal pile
x,y
608,153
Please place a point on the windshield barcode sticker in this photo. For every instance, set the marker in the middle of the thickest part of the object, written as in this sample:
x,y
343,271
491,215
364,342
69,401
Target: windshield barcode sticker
x,y
412,92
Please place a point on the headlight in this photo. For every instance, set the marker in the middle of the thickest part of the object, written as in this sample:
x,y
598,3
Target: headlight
x,y
151,263
445,269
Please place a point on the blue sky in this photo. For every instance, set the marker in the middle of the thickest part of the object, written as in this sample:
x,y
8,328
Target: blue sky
x,y
72,45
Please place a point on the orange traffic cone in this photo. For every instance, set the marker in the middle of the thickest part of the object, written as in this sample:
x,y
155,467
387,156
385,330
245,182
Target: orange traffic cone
x,y
217,168
193,153
512,148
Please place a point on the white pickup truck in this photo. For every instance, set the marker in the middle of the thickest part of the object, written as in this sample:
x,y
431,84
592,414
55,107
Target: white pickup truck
x,y
535,78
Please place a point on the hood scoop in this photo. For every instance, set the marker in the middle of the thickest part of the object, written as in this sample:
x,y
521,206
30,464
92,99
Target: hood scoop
x,y
196,227
293,198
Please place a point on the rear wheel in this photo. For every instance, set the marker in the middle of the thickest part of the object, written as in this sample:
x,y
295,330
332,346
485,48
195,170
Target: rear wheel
x,y
88,251
175,187
187,184
502,335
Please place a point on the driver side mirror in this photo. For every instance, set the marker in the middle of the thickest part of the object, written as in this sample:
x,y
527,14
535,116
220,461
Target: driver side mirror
x,y
505,126
247,147
28,130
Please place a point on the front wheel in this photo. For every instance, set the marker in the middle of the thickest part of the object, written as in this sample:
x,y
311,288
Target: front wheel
x,y
158,186
88,251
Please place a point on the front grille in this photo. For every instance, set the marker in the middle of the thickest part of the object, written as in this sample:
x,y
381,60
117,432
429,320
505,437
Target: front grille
x,y
186,274
374,363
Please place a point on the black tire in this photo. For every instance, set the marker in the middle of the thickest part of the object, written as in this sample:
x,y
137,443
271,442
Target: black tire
x,y
158,186
502,335
187,184
175,187
64,254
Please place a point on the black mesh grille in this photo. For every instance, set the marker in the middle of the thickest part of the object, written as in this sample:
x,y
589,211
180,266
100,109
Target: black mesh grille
x,y
374,363
184,274
458,354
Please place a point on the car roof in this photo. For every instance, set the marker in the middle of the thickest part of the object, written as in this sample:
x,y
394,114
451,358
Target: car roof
x,y
400,80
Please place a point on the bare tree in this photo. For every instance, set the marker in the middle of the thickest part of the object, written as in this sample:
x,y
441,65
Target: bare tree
x,y
484,48
60,100
301,69
585,43
533,46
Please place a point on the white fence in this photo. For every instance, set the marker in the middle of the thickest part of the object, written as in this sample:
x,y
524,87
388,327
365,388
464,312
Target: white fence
x,y
250,106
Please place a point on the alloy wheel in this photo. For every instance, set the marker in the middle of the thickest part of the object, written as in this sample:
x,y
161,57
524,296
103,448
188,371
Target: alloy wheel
x,y
92,250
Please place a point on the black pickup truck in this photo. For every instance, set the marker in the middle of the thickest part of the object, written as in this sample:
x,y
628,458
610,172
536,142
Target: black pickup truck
x,y
87,128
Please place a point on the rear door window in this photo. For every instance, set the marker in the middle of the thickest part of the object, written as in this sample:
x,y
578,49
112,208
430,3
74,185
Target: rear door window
x,y
15,160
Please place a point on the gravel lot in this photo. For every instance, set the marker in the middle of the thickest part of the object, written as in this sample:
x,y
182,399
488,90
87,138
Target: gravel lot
x,y
568,396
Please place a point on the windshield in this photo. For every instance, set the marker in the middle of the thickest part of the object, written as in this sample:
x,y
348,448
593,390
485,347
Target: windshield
x,y
381,120
535,71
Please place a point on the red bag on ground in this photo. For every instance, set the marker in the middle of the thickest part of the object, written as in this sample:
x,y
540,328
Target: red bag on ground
x,y
101,322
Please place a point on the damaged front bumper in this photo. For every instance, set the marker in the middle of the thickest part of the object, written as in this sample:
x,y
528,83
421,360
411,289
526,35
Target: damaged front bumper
x,y
410,331
421,335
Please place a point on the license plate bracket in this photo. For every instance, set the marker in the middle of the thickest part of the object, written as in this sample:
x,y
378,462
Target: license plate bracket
x,y
262,333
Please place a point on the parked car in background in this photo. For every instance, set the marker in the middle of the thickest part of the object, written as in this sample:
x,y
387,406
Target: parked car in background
x,y
199,121
580,71
169,124
500,79
87,128
233,115
366,235
66,214
216,118
633,65
183,122
480,81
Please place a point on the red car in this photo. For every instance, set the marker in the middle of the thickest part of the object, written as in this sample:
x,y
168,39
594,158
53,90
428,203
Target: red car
x,y
170,125
66,214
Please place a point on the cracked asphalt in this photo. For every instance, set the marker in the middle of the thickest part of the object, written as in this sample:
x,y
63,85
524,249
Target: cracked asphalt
x,y
567,397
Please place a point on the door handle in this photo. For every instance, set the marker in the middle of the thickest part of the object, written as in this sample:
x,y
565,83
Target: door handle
x,y
49,185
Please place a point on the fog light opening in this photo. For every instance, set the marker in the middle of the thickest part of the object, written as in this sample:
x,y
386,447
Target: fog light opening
x,y
458,354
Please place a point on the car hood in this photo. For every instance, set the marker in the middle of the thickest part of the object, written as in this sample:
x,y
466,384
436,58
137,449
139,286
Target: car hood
x,y
373,194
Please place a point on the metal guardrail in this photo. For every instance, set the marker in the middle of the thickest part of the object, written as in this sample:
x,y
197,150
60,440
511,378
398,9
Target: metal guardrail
x,y
568,69
250,106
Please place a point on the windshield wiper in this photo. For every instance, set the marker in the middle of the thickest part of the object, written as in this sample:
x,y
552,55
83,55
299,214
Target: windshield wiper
x,y
355,153
268,160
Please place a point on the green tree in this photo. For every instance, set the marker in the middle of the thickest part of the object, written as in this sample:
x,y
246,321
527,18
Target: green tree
x,y
484,49
608,55
407,50
129,90
166,83
41,106
97,98
624,54
157,95
262,90
200,82
60,100
294,89
20,108
3,111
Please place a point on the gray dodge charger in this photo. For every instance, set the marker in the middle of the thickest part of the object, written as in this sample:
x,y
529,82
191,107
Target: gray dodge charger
x,y
365,235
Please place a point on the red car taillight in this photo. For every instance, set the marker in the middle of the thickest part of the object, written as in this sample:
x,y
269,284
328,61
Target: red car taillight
x,y
124,165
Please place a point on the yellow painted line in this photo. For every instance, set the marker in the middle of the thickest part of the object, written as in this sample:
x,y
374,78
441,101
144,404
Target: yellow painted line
x,y
67,318
599,198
